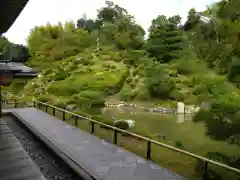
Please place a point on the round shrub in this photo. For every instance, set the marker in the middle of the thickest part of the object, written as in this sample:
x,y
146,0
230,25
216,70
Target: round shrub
x,y
143,94
177,95
179,144
61,76
121,124
127,94
86,62
89,69
60,103
113,66
44,98
129,79
106,65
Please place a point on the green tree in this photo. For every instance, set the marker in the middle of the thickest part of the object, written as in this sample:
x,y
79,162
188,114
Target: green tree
x,y
55,42
11,51
119,28
229,10
159,84
17,53
88,24
165,39
234,71
222,119
3,43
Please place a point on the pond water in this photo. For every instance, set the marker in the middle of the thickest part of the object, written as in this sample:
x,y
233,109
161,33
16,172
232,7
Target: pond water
x,y
173,127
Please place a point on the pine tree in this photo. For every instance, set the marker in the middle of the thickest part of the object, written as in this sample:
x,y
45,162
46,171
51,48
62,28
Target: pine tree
x,y
165,40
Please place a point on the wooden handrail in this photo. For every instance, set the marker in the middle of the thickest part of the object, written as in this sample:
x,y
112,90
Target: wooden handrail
x,y
147,139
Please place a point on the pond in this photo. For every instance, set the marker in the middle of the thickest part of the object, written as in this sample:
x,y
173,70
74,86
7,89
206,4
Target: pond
x,y
172,129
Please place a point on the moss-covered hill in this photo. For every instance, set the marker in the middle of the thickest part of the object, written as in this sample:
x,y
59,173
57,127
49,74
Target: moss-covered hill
x,y
89,79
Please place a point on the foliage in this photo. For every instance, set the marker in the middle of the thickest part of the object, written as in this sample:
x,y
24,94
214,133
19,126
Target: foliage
x,y
119,28
222,174
234,71
179,144
159,84
11,51
126,93
121,124
88,24
222,119
165,41
56,42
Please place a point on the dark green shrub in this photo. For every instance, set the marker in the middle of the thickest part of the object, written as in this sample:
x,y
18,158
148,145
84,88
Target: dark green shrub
x,y
113,66
132,85
126,94
44,98
216,173
86,61
134,73
91,94
106,65
128,80
47,71
72,67
143,94
60,104
190,66
158,82
234,71
61,76
62,88
202,115
121,125
179,144
128,61
222,117
176,95
161,88
90,101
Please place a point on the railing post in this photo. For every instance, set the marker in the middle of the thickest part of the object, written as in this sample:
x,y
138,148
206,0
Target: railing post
x,y
0,101
76,121
115,137
54,112
64,116
15,103
93,127
34,104
205,171
46,109
149,150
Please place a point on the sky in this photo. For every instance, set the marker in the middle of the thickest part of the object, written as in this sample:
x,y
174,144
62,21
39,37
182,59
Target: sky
x,y
40,12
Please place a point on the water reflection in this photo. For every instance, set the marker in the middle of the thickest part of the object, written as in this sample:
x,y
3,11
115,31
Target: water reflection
x,y
180,118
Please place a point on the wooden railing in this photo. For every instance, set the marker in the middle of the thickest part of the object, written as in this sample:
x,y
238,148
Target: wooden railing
x,y
117,131
149,142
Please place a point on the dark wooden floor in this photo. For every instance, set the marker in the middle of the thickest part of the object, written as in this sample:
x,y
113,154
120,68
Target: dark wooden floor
x,y
100,159
15,163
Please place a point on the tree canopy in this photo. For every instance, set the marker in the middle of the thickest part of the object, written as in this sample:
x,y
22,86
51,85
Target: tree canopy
x,y
11,51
